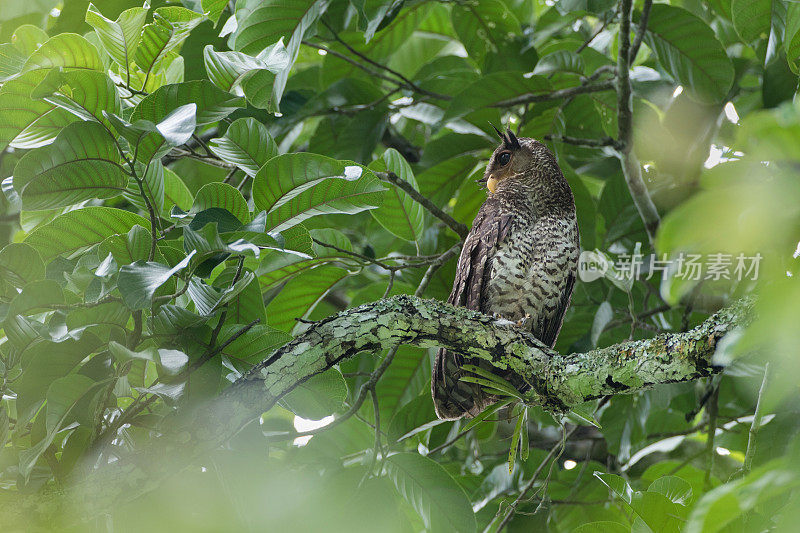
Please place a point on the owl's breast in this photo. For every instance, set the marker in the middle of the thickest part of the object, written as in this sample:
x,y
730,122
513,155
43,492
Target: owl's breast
x,y
530,270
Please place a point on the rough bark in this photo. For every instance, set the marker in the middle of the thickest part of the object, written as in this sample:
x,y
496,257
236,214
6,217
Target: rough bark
x,y
558,382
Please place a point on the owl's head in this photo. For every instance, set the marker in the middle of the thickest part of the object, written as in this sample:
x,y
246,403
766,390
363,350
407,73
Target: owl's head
x,y
522,161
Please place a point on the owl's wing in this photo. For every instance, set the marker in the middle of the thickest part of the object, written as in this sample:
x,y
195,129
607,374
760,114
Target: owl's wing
x,y
475,263
453,398
552,326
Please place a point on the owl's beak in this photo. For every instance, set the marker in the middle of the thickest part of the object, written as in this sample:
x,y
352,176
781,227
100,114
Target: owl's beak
x,y
491,183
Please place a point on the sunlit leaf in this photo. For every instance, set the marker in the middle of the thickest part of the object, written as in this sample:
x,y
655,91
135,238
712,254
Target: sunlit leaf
x,y
83,163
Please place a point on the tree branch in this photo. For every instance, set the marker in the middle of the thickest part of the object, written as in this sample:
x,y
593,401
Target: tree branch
x,y
460,229
557,95
631,168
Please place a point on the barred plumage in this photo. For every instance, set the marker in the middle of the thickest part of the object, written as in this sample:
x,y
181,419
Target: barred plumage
x,y
519,261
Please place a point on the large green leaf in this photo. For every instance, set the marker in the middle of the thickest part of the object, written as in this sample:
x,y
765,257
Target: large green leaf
x,y
689,51
228,70
139,281
210,105
398,213
207,299
407,376
318,397
84,93
246,144
272,20
294,187
223,196
791,41
655,509
437,498
492,89
248,305
729,502
152,140
20,264
482,27
299,297
27,122
80,228
62,396
170,27
751,18
82,163
120,37
176,193
67,50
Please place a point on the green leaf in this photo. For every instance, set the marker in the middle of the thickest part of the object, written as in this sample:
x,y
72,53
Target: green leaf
x,y
299,297
320,396
62,396
270,21
176,110
492,89
677,490
139,281
207,299
223,196
255,345
84,93
20,264
213,9
246,144
80,228
398,213
791,41
440,182
688,50
25,122
67,50
82,164
729,502
227,70
653,508
404,380
435,496
36,296
170,27
248,305
482,27
176,193
751,18
152,178
121,37
295,187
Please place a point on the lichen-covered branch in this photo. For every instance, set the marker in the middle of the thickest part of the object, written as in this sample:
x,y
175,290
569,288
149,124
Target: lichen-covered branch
x,y
557,382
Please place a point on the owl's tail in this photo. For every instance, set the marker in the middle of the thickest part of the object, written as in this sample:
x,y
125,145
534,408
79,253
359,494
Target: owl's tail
x,y
453,398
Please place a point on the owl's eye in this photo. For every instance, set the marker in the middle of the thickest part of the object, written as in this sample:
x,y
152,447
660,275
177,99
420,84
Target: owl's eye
x,y
503,158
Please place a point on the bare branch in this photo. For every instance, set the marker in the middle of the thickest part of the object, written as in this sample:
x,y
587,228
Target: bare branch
x,y
631,168
460,229
557,95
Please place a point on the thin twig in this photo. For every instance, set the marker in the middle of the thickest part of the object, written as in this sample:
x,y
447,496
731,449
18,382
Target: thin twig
x,y
569,92
631,168
460,229
637,41
747,465
512,508
713,407
590,143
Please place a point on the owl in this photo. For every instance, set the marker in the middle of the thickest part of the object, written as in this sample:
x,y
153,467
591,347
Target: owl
x,y
519,262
